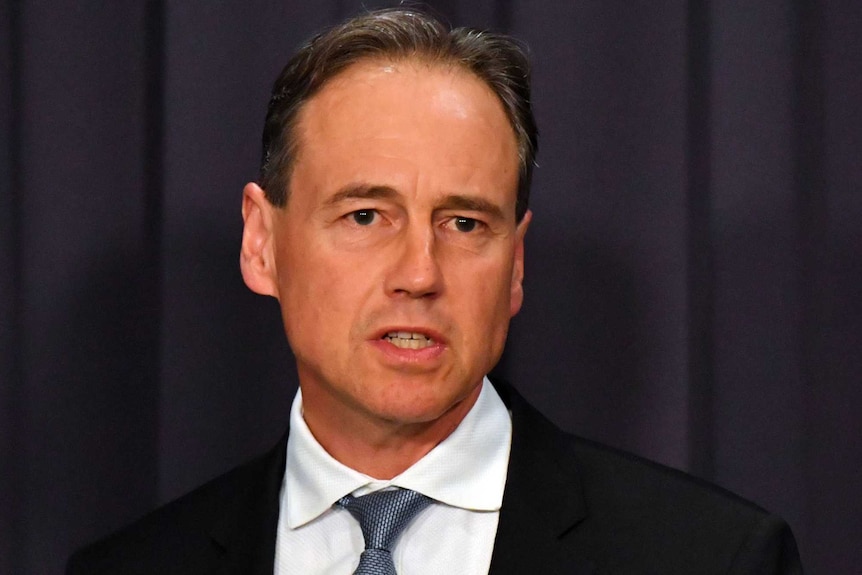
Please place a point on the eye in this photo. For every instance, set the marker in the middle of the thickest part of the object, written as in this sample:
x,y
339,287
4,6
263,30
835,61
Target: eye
x,y
364,217
463,224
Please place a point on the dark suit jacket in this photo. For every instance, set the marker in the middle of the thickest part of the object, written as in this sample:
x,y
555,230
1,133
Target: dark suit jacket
x,y
570,506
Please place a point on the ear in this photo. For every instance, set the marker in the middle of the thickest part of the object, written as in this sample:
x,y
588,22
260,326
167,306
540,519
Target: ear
x,y
516,298
256,258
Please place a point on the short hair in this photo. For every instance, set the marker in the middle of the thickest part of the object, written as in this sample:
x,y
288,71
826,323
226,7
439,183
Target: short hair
x,y
399,34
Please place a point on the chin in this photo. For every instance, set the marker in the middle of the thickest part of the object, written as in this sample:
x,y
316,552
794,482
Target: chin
x,y
420,407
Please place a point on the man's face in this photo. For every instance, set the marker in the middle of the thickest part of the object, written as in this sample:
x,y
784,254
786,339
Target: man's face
x,y
397,260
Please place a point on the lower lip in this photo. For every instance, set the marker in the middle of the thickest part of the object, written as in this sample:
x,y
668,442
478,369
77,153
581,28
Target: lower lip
x,y
403,356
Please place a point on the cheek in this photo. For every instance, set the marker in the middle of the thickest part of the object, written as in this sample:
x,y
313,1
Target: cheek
x,y
485,320
323,294
487,291
304,285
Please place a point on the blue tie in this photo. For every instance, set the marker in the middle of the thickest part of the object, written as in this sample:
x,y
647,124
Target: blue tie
x,y
382,516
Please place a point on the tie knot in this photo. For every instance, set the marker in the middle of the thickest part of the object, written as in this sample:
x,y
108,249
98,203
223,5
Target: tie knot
x,y
384,514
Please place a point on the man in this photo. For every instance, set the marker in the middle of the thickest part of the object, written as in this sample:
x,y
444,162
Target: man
x,y
389,223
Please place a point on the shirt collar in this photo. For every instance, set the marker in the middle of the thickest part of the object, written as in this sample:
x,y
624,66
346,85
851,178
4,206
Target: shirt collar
x,y
475,455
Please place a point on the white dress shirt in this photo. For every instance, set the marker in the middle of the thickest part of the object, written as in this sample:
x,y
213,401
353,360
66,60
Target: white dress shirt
x,y
465,474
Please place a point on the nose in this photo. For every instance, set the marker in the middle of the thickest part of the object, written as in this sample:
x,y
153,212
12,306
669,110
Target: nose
x,y
415,271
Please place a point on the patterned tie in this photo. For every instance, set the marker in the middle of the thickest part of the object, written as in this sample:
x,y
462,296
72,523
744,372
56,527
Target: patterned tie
x,y
382,516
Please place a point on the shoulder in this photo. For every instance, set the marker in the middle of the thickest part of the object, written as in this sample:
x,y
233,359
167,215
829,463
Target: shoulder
x,y
191,534
633,515
643,511
619,478
611,478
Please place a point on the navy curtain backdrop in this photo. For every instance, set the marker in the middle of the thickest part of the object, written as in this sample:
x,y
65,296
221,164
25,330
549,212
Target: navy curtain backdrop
x,y
693,269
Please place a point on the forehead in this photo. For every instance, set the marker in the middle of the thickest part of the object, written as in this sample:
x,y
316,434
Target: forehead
x,y
413,114
374,90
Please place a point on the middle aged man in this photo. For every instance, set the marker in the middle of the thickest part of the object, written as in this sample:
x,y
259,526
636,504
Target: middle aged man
x,y
389,224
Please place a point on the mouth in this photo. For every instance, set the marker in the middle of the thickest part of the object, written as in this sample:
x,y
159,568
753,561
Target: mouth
x,y
408,339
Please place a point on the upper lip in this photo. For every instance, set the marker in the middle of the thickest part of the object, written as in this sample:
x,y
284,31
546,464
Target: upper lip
x,y
436,336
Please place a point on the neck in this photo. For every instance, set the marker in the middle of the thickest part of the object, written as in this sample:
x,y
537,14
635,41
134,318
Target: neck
x,y
376,446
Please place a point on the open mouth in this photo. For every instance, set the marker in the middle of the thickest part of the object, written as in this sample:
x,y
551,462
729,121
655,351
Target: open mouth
x,y
408,340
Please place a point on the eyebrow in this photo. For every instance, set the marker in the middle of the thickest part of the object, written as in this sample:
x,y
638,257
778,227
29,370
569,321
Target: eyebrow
x,y
361,192
450,202
472,204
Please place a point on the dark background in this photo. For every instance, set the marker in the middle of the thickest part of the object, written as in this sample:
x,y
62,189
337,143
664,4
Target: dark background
x,y
693,269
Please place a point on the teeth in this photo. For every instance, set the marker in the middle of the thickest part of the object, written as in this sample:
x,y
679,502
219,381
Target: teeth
x,y
406,335
409,340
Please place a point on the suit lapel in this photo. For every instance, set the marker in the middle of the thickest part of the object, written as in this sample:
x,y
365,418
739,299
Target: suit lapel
x,y
246,531
543,500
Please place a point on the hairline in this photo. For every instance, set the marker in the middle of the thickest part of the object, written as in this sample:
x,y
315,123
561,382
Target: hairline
x,y
294,132
397,34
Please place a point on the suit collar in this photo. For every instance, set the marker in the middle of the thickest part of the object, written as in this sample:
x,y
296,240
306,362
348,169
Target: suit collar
x,y
539,508
543,500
